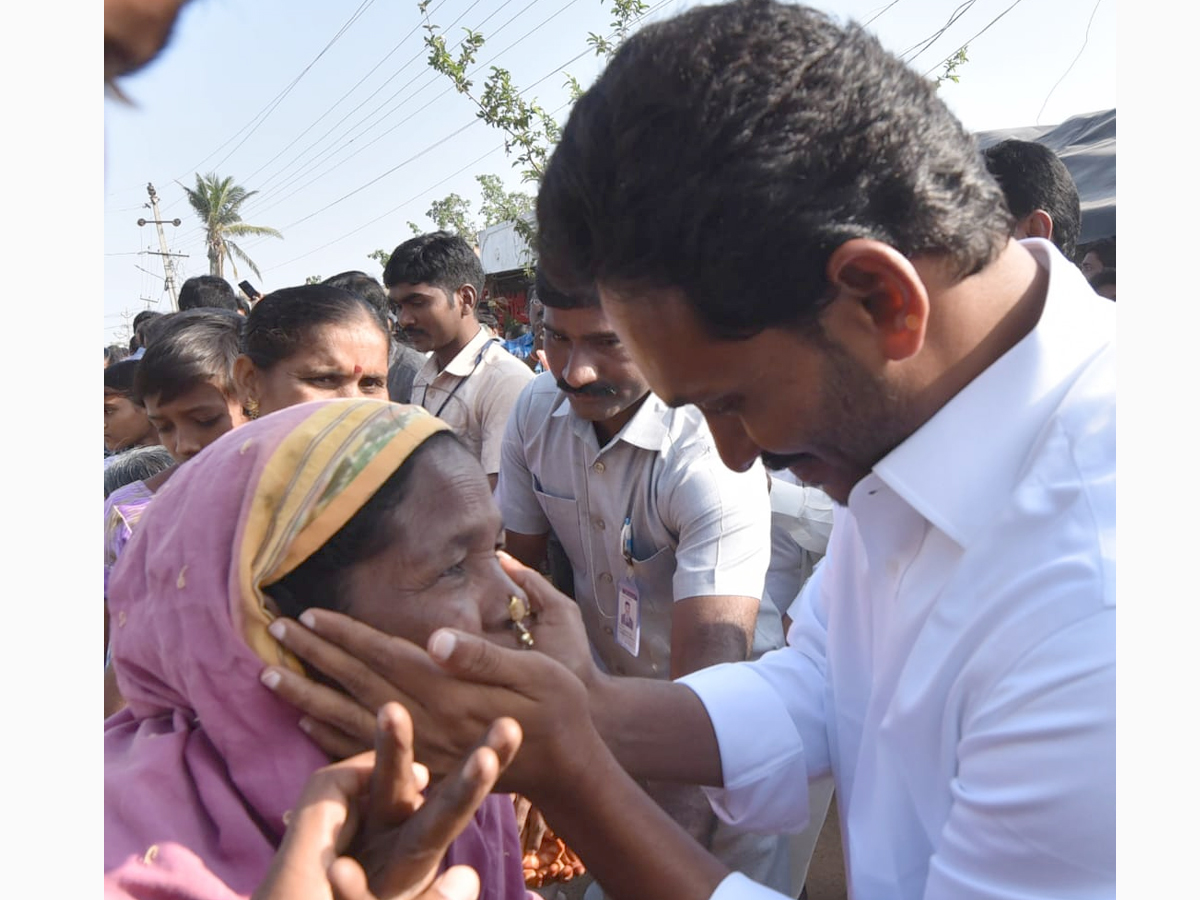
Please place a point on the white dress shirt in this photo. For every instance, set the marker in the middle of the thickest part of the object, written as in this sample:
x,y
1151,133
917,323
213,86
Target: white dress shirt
x,y
953,662
474,394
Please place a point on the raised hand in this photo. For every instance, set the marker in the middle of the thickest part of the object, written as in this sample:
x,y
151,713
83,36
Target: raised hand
x,y
363,831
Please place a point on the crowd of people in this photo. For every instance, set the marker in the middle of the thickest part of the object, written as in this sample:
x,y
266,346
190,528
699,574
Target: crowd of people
x,y
799,490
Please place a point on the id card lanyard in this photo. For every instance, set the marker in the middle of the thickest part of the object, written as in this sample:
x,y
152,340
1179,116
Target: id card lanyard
x,y
629,609
478,359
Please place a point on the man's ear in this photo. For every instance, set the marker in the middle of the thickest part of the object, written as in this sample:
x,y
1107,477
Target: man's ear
x,y
880,298
1037,224
468,298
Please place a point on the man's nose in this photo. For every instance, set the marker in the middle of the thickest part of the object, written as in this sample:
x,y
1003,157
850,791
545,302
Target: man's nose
x,y
579,371
735,447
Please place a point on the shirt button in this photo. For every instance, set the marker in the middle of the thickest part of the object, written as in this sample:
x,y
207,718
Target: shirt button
x,y
598,466
606,578
600,524
121,619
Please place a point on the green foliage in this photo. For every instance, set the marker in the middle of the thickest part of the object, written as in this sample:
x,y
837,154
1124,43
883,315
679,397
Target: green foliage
x,y
530,132
217,202
452,213
950,69
381,256
313,279
499,205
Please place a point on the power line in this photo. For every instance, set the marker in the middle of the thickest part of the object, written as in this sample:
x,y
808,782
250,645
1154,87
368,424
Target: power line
x,y
880,13
1038,120
270,107
929,41
326,154
972,37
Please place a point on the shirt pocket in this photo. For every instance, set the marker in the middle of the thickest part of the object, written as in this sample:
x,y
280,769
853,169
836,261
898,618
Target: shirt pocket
x,y
563,515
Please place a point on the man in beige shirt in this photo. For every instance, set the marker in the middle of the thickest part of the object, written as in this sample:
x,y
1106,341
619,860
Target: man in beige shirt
x,y
434,282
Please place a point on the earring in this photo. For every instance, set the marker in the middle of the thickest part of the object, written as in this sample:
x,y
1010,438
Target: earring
x,y
518,612
251,408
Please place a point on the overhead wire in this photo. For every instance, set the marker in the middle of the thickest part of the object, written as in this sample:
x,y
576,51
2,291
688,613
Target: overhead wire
x,y
338,102
909,55
441,140
1086,31
273,105
350,138
425,191
307,170
974,36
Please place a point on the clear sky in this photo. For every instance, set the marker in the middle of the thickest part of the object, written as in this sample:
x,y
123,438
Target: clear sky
x,y
330,111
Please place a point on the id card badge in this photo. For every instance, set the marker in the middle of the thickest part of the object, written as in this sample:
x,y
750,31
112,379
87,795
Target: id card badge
x,y
629,615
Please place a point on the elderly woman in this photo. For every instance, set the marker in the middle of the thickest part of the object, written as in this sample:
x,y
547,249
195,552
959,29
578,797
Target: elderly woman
x,y
371,508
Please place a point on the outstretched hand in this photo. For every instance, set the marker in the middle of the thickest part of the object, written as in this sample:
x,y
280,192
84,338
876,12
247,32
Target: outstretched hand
x,y
363,831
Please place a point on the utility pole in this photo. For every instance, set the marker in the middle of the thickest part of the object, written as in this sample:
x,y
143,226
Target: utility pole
x,y
168,268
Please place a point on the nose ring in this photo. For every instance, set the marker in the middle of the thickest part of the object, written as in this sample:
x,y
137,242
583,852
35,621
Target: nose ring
x,y
518,613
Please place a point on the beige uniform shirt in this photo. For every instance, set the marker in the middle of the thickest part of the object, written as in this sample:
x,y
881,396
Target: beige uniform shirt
x,y
474,394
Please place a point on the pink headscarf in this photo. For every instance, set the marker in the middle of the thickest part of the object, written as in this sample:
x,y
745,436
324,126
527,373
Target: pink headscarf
x,y
203,756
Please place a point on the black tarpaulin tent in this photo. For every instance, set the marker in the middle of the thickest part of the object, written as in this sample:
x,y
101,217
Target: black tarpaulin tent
x,y
1087,144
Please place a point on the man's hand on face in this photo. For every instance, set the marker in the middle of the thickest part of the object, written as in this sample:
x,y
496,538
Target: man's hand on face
x,y
453,692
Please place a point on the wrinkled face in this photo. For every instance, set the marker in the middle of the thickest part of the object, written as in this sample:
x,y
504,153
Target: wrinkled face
x,y
430,317
590,363
802,399
194,419
125,424
440,569
343,360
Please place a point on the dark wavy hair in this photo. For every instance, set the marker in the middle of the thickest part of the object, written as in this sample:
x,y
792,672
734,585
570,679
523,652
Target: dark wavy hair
x,y
729,151
283,321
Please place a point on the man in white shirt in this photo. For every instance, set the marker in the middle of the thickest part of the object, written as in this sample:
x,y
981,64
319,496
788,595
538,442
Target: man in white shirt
x,y
791,231
434,283
668,548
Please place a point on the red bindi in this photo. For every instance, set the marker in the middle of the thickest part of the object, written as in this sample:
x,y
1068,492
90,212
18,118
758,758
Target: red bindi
x,y
358,370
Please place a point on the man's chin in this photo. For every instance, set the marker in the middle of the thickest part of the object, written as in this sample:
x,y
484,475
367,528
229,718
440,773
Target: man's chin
x,y
836,482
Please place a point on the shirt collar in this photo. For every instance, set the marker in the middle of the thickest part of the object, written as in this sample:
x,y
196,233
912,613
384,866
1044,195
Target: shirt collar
x,y
464,361
648,429
959,468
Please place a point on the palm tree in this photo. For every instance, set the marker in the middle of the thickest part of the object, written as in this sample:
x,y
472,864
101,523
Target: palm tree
x,y
217,202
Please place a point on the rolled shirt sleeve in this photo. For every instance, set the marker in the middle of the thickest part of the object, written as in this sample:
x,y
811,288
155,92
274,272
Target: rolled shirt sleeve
x,y
515,492
723,520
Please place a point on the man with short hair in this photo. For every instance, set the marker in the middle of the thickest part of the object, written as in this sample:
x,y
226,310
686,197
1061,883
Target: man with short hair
x,y
668,549
1039,191
434,282
792,231
207,291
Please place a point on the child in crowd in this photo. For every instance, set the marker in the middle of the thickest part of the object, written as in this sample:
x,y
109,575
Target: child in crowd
x,y
185,385
125,422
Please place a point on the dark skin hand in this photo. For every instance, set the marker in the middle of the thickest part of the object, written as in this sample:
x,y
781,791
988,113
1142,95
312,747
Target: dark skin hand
x,y
363,831
628,842
656,729
370,665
